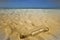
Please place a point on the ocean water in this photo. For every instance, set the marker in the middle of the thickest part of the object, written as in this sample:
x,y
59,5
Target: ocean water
x,y
29,4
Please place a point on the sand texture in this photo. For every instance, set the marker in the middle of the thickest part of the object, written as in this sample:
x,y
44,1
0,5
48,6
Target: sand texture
x,y
14,22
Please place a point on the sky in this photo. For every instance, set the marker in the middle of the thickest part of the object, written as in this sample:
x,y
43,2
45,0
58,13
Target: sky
x,y
29,4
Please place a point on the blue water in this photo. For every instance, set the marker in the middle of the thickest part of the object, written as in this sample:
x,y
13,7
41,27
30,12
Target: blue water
x,y
29,4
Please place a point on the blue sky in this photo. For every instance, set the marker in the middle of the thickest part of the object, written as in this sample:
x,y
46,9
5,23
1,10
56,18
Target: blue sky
x,y
28,4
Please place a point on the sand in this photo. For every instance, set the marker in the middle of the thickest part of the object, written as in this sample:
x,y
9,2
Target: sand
x,y
14,22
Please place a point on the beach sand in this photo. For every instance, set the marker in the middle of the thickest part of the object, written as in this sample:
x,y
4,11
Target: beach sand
x,y
14,22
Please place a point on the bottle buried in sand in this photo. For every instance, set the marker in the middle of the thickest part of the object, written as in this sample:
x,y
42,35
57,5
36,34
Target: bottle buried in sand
x,y
35,32
41,30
